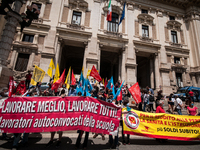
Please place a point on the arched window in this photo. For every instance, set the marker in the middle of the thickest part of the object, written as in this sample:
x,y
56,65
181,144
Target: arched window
x,y
113,25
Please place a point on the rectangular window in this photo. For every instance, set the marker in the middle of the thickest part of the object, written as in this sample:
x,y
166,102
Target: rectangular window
x,y
22,62
145,31
76,18
177,60
179,82
171,18
38,5
174,36
113,24
28,38
144,11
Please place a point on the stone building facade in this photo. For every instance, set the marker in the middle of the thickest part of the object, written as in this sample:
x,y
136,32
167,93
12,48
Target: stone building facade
x,y
157,44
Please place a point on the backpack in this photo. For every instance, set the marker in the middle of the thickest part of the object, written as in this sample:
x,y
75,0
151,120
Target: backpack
x,y
151,98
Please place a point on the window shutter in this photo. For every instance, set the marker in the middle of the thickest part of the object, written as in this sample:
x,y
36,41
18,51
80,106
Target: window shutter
x,y
65,14
102,21
87,19
136,28
166,34
154,32
47,11
182,37
123,25
41,40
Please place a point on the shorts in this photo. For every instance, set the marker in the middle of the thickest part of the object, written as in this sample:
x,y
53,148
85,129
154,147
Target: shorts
x,y
171,103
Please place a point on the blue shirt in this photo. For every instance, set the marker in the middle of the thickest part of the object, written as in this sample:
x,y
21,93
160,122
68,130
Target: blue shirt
x,y
152,92
72,92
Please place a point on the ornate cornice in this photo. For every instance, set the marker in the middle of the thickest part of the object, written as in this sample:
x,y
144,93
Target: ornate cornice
x,y
78,4
174,25
145,19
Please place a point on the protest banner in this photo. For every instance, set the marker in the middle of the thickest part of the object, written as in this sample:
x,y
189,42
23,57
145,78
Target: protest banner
x,y
161,125
48,114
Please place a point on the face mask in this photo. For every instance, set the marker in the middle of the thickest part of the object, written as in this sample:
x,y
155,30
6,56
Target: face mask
x,y
127,104
63,86
163,105
192,104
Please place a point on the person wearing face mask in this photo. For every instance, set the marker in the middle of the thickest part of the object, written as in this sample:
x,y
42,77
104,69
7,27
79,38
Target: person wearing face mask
x,y
192,110
160,108
64,89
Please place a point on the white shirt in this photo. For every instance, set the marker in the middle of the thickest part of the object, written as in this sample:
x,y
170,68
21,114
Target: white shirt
x,y
178,101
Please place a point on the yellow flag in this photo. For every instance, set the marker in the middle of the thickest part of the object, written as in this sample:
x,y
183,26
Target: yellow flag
x,y
50,69
57,74
88,73
38,75
67,81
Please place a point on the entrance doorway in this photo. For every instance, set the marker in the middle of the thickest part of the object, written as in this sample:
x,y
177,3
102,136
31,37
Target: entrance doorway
x,y
109,65
143,71
72,56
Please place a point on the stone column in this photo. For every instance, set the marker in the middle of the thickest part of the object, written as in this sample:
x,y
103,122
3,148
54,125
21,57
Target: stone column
x,y
58,52
84,60
123,67
152,73
184,79
198,80
157,72
194,83
120,68
9,32
30,62
6,43
13,57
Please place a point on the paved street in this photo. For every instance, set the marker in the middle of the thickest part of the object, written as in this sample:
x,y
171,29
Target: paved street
x,y
38,141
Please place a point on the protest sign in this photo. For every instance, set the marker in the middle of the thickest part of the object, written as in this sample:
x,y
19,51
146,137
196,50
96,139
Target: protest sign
x,y
161,125
48,114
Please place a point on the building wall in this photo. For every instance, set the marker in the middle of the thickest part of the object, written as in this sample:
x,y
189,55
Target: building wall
x,y
54,30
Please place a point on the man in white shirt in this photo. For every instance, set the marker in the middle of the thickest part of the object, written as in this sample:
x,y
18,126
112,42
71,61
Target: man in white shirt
x,y
179,105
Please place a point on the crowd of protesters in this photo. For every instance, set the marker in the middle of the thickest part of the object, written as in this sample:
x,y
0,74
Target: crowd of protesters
x,y
149,102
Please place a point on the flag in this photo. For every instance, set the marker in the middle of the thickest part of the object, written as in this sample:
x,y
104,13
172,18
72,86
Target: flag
x,y
105,84
109,14
135,92
88,83
50,69
110,85
67,81
38,75
79,89
88,73
82,69
119,97
94,73
21,88
118,91
123,14
11,87
73,80
103,81
81,80
59,82
57,74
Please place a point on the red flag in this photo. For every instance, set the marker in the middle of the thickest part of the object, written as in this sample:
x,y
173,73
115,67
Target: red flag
x,y
59,82
105,84
95,74
119,97
135,92
21,88
11,87
73,80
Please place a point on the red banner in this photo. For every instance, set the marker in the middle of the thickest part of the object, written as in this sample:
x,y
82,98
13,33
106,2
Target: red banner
x,y
135,92
95,74
48,114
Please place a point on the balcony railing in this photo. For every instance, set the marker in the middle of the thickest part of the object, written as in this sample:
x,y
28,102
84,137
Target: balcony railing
x,y
75,26
114,34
